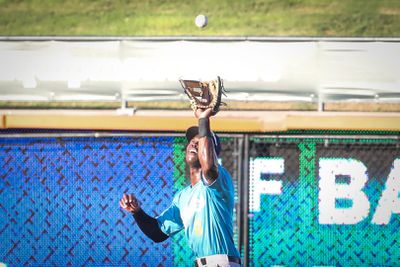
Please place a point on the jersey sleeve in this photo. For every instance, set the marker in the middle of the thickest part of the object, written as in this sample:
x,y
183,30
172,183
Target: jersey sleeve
x,y
170,221
223,185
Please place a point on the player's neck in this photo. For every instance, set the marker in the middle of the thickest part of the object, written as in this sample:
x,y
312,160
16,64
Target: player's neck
x,y
195,175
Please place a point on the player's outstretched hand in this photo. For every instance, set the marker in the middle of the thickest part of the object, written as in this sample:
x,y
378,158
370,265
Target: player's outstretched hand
x,y
129,203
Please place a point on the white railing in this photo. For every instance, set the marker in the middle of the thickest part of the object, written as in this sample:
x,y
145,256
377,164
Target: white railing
x,y
306,69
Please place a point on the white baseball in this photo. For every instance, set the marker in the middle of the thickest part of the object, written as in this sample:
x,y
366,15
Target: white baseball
x,y
201,21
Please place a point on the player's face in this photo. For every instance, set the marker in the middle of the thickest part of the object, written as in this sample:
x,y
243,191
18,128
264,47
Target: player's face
x,y
192,150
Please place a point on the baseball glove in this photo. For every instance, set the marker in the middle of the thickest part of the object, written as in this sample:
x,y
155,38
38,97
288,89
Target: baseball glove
x,y
204,95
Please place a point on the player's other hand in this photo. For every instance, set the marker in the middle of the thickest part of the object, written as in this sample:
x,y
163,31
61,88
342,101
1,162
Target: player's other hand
x,y
129,203
204,113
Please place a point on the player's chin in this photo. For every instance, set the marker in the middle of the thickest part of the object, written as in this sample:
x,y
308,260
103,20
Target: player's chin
x,y
192,160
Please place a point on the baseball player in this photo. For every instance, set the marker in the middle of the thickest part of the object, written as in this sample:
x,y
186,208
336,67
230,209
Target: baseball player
x,y
203,209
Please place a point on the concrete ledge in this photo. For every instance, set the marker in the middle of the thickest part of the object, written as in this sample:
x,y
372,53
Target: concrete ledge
x,y
343,122
2,121
232,121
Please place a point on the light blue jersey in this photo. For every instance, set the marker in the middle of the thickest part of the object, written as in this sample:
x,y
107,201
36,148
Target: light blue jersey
x,y
205,212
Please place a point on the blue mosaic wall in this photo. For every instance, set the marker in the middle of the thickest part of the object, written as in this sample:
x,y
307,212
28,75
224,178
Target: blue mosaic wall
x,y
59,200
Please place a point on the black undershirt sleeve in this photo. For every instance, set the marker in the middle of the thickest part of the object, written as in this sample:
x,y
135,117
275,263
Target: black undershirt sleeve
x,y
149,226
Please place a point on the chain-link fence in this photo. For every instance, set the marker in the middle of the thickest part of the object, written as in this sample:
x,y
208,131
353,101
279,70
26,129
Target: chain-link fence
x,y
325,199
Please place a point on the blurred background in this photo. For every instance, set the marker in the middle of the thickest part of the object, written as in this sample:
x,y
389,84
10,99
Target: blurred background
x,y
290,54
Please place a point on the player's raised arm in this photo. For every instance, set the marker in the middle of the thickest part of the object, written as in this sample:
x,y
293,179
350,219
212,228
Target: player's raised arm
x,y
207,154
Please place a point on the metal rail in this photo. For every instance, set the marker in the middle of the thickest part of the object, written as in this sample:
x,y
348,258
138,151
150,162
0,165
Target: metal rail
x,y
101,134
325,136
199,38
175,134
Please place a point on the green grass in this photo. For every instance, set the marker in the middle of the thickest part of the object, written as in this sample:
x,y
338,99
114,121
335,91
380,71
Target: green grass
x,y
351,18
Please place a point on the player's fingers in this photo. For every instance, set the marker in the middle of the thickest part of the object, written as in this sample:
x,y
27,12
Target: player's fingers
x,y
122,204
130,198
125,198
